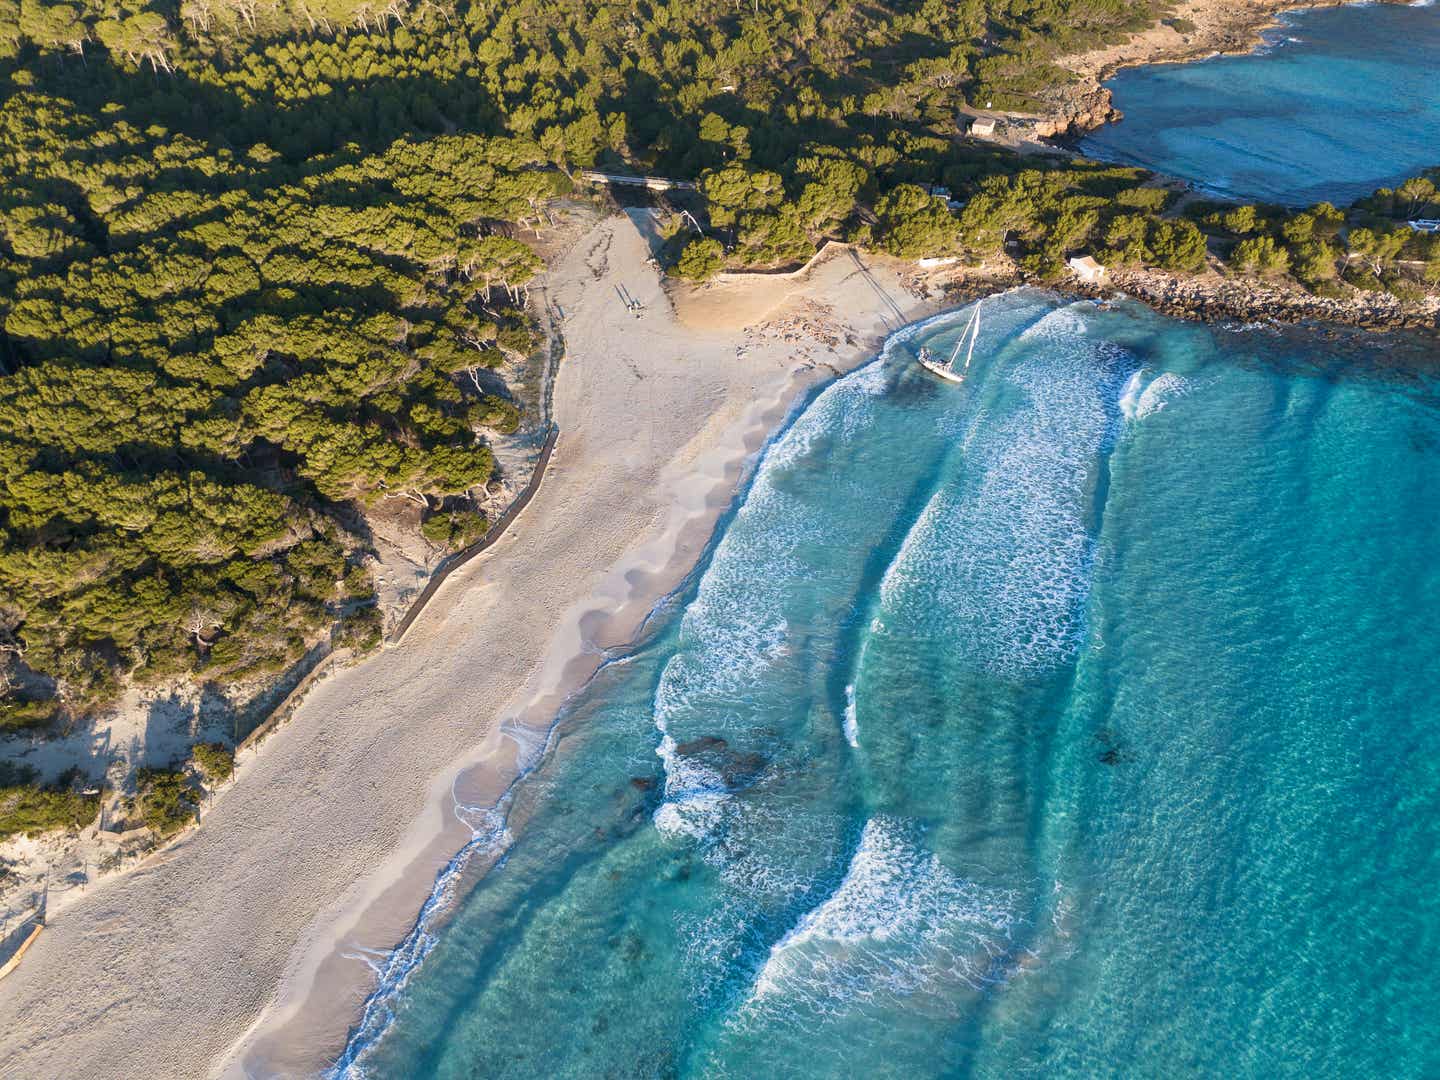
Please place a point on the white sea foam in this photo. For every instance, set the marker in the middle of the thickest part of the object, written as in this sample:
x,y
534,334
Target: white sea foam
x,y
1130,396
733,634
898,921
851,722
1162,390
1000,563
395,967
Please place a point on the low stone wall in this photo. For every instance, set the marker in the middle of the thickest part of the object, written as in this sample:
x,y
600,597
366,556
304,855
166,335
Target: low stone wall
x,y
783,275
454,562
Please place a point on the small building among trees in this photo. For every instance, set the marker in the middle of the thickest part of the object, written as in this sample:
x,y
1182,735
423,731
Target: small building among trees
x,y
983,127
1087,269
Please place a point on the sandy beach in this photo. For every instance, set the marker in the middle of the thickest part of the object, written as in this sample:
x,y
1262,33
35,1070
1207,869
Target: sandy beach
x,y
241,950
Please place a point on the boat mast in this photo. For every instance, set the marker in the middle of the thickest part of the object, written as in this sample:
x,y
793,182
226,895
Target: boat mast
x,y
960,343
974,337
971,331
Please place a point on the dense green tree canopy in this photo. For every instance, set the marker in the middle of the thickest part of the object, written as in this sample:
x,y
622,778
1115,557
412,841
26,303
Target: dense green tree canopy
x,y
252,256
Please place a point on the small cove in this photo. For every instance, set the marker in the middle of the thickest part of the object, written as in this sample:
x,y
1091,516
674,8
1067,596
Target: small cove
x,y
1336,103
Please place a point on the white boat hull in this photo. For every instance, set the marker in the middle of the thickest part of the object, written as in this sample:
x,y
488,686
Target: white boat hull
x,y
942,370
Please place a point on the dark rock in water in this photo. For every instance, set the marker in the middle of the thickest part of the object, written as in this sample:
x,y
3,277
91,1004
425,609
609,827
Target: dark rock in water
x,y
700,745
742,768
1110,757
736,767
641,783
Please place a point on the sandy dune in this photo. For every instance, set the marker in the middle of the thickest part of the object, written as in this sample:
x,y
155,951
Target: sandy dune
x,y
234,951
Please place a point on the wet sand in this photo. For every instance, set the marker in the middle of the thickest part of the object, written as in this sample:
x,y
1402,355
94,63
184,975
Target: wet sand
x,y
243,948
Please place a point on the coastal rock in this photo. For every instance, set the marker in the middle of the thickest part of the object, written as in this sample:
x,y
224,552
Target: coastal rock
x,y
735,767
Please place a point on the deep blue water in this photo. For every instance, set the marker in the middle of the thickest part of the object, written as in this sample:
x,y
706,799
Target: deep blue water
x,y
1079,720
1340,102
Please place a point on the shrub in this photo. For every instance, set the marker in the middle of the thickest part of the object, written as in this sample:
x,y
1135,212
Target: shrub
x,y
165,800
495,412
358,583
1314,264
1260,255
215,760
1242,220
915,224
29,809
1402,288
1363,279
517,339
15,714
361,630
454,529
1143,198
1177,245
701,260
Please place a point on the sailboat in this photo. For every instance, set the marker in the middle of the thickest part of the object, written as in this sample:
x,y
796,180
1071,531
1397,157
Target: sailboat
x,y
946,370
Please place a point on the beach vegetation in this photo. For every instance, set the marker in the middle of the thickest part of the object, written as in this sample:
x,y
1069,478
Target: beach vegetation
x,y
1260,255
454,529
1177,245
1242,221
913,223
361,629
215,760
1313,264
28,808
1402,287
701,259
255,258
166,800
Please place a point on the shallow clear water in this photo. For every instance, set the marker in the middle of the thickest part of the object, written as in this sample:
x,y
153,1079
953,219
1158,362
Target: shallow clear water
x,y
1078,720
1340,102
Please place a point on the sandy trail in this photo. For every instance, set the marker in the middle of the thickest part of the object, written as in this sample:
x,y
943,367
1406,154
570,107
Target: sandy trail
x,y
235,950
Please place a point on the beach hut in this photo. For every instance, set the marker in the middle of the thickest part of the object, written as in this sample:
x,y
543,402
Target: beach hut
x,y
983,127
1087,269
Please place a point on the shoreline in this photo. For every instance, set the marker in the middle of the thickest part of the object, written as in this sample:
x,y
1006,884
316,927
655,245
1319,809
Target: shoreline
x,y
252,940
485,777
1220,29
611,618
325,973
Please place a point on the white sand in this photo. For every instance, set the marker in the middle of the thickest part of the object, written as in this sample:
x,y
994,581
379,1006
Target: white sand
x,y
228,952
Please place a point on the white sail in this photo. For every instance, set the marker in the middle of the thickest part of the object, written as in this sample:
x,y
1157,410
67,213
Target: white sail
x,y
975,336
972,332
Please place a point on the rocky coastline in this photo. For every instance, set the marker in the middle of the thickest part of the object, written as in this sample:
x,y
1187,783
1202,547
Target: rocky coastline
x,y
1210,299
1194,30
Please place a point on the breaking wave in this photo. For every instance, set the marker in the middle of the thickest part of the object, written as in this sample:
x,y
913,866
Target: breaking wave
x,y
897,923
1001,561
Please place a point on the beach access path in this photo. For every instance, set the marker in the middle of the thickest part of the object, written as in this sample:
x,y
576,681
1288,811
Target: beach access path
x,y
241,949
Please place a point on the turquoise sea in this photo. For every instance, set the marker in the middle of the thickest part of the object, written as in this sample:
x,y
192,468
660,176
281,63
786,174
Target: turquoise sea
x,y
1080,720
1339,102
